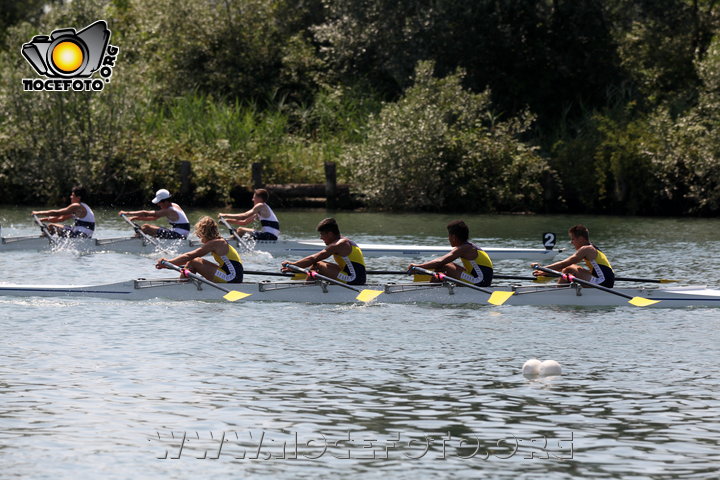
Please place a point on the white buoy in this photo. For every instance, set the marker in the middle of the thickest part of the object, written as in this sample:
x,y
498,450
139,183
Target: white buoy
x,y
550,368
531,368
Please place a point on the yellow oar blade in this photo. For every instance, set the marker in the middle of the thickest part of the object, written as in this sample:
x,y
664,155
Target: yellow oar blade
x,y
234,296
421,278
642,302
667,280
368,295
498,298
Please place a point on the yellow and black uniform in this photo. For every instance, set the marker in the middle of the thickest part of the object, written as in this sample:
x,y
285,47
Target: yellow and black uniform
x,y
352,267
230,267
601,270
478,271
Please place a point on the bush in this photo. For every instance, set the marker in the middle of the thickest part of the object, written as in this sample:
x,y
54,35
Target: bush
x,y
440,147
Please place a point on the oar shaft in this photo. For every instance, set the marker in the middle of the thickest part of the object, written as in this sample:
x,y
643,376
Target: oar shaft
x,y
230,295
139,231
233,232
442,276
192,275
270,274
495,276
513,277
573,278
644,280
312,274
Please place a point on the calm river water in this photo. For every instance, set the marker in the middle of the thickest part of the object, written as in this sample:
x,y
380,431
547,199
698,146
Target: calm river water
x,y
124,390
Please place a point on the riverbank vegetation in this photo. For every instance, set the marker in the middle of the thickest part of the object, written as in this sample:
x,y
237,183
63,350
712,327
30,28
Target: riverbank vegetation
x,y
476,105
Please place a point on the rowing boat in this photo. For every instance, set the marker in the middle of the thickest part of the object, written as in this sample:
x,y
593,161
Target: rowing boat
x,y
403,293
275,248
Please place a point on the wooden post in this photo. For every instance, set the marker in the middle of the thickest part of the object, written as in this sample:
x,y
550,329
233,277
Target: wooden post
x,y
185,173
257,169
330,185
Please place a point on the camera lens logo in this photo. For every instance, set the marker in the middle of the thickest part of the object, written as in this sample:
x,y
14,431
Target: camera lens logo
x,y
69,58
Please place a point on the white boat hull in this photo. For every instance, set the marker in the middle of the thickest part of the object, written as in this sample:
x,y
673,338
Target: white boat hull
x,y
299,292
285,248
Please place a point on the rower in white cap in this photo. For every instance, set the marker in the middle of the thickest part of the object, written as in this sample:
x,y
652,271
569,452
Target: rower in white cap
x,y
179,223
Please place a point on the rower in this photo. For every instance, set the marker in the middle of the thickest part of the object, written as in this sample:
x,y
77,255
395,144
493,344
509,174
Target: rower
x,y
350,263
179,223
599,271
228,269
476,268
270,227
84,225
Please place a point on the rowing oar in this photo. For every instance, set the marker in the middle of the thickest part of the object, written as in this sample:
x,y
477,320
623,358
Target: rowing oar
x,y
230,295
234,233
644,280
270,274
144,235
544,279
496,298
637,301
364,295
423,277
44,230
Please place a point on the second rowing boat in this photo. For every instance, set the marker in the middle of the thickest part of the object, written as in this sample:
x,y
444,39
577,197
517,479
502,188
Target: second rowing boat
x,y
276,248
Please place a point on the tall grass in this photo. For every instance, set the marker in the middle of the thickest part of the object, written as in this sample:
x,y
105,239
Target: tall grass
x,y
292,141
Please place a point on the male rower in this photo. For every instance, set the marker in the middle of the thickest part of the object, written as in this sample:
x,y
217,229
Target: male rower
x,y
229,267
179,223
270,227
599,270
350,263
84,225
476,268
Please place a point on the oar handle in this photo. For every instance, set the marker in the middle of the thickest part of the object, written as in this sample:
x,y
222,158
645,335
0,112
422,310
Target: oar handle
x,y
138,230
241,243
316,275
44,230
424,271
134,225
230,229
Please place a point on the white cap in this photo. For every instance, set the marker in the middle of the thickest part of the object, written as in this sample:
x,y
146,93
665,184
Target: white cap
x,y
161,195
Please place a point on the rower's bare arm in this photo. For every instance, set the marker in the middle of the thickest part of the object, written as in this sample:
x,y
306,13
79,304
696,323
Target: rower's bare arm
x,y
67,211
244,221
139,214
56,218
311,260
186,257
577,257
240,218
440,261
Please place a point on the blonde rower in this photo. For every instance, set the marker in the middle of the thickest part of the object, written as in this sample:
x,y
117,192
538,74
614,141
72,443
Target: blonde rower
x,y
228,269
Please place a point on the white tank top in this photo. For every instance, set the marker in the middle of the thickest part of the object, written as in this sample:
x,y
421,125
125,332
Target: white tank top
x,y
270,223
86,224
182,224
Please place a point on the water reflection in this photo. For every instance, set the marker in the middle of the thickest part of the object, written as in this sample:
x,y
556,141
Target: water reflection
x,y
99,386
